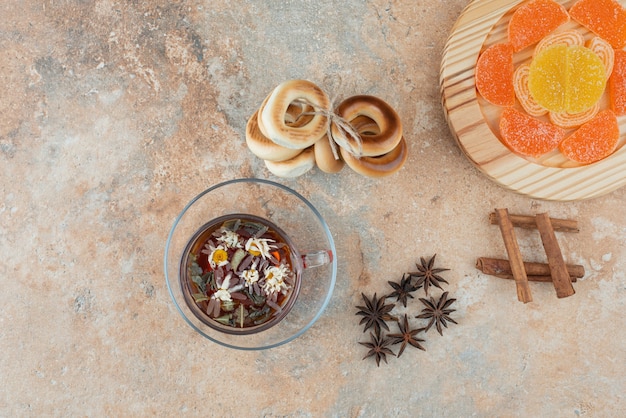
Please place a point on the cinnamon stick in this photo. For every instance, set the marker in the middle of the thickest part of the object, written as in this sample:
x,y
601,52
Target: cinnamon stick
x,y
515,256
502,268
558,270
545,279
530,222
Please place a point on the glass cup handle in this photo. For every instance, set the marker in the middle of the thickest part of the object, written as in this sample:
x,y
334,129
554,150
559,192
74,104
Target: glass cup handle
x,y
317,259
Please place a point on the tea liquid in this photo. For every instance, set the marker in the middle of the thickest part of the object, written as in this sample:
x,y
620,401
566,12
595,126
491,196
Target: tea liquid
x,y
241,272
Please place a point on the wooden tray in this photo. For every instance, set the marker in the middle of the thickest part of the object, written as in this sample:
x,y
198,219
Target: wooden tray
x,y
472,120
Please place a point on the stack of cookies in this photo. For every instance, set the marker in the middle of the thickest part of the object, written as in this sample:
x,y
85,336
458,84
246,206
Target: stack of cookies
x,y
295,129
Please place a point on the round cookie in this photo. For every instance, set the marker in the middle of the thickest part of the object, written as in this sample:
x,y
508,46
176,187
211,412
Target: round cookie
x,y
263,147
389,126
378,166
293,167
272,114
324,157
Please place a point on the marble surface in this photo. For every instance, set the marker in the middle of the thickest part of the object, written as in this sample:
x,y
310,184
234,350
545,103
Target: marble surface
x,y
115,114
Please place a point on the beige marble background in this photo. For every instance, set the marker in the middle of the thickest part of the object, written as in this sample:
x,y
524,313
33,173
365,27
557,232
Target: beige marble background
x,y
114,114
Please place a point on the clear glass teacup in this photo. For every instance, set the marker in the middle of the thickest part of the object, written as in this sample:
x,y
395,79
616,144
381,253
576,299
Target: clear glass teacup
x,y
250,264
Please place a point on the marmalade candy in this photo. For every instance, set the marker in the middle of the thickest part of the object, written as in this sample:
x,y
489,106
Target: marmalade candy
x,y
520,83
568,37
567,78
533,21
528,136
593,141
604,51
617,83
574,120
606,18
494,75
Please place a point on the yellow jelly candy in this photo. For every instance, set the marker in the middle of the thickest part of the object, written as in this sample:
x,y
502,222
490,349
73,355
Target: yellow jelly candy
x,y
567,78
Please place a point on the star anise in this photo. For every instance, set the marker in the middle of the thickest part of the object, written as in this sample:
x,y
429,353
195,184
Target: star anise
x,y
427,275
406,336
438,312
375,313
402,290
378,347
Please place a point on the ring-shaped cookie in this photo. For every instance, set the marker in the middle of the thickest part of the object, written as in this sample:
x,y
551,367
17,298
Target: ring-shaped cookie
x,y
297,115
295,166
379,166
273,114
389,125
325,158
365,126
263,147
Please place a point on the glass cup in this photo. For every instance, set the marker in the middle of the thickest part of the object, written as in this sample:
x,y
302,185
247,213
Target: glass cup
x,y
297,224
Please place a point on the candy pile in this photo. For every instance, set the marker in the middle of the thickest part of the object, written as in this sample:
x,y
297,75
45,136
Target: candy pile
x,y
554,99
295,129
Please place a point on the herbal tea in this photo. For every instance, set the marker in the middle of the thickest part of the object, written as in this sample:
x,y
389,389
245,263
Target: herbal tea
x,y
241,272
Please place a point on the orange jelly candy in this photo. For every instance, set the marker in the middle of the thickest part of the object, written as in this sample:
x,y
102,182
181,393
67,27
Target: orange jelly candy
x,y
567,78
617,83
606,18
533,21
528,136
594,140
494,75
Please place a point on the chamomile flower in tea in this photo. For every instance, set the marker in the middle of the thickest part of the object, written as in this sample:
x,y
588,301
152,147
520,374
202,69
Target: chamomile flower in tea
x,y
251,275
217,255
275,279
229,238
259,246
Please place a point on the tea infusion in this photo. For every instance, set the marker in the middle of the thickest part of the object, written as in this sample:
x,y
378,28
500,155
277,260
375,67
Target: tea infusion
x,y
242,272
